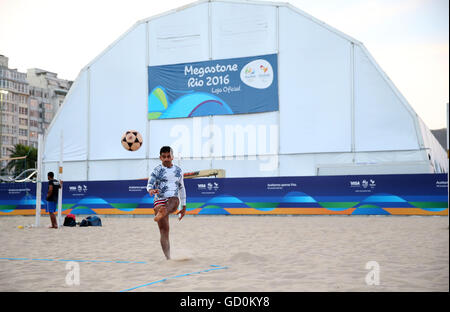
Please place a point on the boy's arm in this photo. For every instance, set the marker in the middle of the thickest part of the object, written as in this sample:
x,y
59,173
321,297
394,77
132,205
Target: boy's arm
x,y
151,184
182,194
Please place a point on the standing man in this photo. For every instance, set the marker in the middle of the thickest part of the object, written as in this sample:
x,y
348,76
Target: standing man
x,y
166,183
52,198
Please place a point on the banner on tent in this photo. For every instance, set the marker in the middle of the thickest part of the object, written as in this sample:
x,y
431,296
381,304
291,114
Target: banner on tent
x,y
411,194
219,87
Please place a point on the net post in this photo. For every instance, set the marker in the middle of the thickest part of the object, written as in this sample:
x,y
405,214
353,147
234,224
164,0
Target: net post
x,y
37,222
60,175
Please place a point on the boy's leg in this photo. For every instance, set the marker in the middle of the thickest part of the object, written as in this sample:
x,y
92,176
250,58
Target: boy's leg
x,y
51,208
160,212
163,222
53,220
163,225
170,206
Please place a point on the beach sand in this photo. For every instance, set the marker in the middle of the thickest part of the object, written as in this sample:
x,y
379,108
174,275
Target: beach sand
x,y
231,253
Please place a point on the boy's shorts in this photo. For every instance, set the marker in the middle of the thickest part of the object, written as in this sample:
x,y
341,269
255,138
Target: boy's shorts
x,y
159,202
51,206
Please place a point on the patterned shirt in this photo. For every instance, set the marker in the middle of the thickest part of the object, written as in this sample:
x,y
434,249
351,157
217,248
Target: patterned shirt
x,y
169,182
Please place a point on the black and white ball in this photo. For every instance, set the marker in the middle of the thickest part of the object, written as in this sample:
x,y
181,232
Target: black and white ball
x,y
132,140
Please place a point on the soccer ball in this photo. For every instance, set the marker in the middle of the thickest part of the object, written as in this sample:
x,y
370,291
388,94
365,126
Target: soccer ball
x,y
132,140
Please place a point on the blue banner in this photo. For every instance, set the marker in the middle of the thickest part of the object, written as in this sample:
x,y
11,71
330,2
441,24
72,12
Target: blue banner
x,y
406,194
219,87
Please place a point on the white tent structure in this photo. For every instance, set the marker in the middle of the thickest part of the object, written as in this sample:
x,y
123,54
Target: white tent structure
x,y
338,114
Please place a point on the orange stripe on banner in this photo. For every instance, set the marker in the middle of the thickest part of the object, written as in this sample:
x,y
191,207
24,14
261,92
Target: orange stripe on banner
x,y
289,211
19,212
29,212
194,212
416,212
116,211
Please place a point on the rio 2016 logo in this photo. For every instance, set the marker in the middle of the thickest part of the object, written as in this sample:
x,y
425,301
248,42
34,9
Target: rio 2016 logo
x,y
249,71
260,79
264,69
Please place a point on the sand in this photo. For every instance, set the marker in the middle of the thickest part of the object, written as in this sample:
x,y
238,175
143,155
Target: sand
x,y
230,253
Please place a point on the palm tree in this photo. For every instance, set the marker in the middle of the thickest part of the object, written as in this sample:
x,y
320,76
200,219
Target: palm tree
x,y
19,165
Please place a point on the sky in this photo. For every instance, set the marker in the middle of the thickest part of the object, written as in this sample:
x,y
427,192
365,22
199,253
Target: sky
x,y
409,39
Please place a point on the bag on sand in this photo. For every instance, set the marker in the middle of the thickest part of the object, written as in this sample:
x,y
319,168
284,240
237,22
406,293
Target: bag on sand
x,y
94,221
69,220
91,221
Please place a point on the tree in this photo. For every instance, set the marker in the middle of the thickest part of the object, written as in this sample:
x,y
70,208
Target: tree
x,y
19,165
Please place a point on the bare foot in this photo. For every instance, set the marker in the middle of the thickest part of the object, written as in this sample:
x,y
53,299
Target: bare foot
x,y
52,227
161,213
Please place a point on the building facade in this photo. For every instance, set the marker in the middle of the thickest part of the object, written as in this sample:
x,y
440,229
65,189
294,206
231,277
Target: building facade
x,y
28,103
14,93
55,88
41,113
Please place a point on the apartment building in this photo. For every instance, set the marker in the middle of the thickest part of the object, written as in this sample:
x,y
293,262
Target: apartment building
x,y
57,88
41,113
14,121
28,103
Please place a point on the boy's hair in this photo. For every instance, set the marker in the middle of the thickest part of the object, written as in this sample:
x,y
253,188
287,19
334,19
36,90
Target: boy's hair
x,y
51,174
165,149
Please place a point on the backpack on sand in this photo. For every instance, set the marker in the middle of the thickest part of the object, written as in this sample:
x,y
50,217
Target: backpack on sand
x,y
69,220
91,221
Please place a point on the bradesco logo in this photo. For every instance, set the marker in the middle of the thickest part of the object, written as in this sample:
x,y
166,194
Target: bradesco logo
x,y
257,74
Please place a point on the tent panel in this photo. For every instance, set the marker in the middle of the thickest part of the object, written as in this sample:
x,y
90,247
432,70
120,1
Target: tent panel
x,y
180,37
239,30
248,166
247,134
382,121
184,135
118,95
297,165
314,87
307,164
72,170
71,120
119,169
53,167
387,157
189,165
75,171
385,168
435,153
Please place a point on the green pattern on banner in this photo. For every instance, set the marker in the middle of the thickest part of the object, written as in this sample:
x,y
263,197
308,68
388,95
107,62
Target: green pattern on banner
x,y
430,204
7,208
67,206
368,206
194,205
211,207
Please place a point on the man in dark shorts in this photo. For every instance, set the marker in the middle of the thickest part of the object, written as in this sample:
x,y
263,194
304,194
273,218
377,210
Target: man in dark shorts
x,y
166,183
52,199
